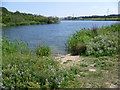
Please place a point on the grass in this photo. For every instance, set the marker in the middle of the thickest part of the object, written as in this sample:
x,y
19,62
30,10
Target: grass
x,y
23,69
104,74
43,51
106,71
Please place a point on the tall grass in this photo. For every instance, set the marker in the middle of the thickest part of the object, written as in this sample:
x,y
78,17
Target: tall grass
x,y
43,51
9,47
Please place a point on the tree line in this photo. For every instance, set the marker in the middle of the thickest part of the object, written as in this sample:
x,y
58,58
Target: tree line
x,y
115,17
18,18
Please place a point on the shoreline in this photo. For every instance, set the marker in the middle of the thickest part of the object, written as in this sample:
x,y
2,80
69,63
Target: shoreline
x,y
27,24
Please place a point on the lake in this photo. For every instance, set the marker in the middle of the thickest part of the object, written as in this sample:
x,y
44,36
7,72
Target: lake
x,y
53,35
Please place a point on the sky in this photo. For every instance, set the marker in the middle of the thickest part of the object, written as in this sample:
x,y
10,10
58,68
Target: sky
x,y
63,9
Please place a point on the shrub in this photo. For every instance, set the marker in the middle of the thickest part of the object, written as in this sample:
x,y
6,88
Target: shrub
x,y
43,51
103,45
80,48
76,43
96,42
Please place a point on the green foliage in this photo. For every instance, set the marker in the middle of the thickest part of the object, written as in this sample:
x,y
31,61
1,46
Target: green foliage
x,y
21,69
80,48
17,18
97,41
76,43
13,47
43,51
103,45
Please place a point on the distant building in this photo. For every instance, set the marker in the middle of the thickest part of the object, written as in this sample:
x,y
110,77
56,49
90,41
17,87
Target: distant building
x,y
69,17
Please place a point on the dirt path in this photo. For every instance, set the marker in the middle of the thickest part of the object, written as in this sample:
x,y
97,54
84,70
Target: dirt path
x,y
69,60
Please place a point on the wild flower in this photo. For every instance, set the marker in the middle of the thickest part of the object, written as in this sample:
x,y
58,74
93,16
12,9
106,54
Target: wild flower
x,y
102,45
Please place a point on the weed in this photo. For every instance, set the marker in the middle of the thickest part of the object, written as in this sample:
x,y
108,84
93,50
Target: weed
x,y
43,51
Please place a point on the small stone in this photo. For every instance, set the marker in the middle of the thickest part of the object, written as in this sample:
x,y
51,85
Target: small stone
x,y
93,70
92,65
68,55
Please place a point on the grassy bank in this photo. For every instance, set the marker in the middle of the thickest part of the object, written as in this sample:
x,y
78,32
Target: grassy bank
x,y
21,68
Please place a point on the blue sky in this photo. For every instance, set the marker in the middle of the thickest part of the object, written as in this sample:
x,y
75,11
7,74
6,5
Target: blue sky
x,y
62,9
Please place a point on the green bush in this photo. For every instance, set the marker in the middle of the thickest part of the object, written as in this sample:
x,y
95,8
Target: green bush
x,y
97,41
43,51
78,49
76,43
103,45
